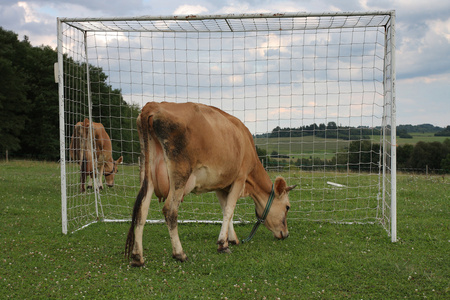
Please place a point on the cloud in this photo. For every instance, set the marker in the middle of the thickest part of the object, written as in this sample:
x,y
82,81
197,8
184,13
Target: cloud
x,y
441,28
11,16
96,8
29,14
190,10
424,53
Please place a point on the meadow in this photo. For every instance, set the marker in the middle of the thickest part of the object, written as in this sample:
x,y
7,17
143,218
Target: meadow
x,y
326,148
421,137
318,260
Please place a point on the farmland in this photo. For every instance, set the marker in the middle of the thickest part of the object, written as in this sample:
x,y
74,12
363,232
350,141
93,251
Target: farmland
x,y
318,260
327,148
421,137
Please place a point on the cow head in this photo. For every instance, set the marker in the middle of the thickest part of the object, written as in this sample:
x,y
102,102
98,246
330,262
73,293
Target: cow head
x,y
111,170
276,219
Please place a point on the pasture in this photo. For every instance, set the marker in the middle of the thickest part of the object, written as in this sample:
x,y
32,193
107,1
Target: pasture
x,y
421,137
318,260
312,146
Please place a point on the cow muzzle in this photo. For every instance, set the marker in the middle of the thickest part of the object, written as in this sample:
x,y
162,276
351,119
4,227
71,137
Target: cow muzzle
x,y
282,235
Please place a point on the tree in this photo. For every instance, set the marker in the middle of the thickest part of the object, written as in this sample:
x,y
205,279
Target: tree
x,y
43,118
332,125
404,155
29,107
445,164
427,154
13,101
362,155
445,132
402,133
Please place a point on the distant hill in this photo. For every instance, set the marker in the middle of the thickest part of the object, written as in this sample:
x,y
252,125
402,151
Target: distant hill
x,y
422,128
445,132
331,130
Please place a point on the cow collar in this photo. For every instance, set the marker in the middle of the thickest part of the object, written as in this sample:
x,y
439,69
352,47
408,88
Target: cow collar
x,y
262,219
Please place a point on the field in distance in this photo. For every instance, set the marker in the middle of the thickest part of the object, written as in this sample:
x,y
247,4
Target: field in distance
x,y
327,148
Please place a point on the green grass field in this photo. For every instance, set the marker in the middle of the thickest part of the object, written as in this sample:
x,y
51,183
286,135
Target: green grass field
x,y
326,148
318,260
308,146
424,137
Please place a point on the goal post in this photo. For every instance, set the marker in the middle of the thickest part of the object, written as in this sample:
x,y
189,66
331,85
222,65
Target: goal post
x,y
316,90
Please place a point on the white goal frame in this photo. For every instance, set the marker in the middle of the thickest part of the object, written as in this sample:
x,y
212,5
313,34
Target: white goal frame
x,y
317,91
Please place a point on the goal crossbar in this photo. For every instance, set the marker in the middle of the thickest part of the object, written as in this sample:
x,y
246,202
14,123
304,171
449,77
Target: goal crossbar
x,y
233,22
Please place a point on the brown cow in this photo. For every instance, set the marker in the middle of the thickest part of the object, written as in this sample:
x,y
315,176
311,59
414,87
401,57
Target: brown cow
x,y
197,148
80,151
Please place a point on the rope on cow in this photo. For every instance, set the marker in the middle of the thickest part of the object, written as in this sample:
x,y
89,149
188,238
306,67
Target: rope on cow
x,y
262,219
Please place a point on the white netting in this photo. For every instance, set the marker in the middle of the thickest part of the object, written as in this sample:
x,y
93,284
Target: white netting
x,y
316,91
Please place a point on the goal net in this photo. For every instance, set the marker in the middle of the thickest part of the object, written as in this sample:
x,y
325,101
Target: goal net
x,y
315,90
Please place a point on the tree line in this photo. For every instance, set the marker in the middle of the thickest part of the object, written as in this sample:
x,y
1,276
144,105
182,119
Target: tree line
x,y
363,155
330,130
422,155
444,132
28,99
29,103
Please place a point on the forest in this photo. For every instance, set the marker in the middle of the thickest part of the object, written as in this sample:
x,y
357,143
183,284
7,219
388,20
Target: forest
x,y
29,111
29,107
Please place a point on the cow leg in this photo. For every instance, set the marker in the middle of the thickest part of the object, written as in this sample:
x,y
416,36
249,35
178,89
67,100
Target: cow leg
x,y
89,184
83,180
83,175
137,254
228,206
100,176
170,211
232,237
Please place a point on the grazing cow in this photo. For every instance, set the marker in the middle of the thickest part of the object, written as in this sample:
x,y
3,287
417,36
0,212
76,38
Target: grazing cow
x,y
197,148
80,151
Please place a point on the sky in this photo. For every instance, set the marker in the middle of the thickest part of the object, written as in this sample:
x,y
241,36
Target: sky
x,y
422,36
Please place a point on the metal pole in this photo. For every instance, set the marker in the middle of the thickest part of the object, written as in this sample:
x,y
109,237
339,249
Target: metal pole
x,y
229,16
62,146
393,136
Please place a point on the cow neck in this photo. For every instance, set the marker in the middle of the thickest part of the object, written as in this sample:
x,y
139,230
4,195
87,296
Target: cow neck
x,y
263,198
259,187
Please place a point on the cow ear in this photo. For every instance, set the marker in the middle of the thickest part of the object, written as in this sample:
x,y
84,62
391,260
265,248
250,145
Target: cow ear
x,y
119,161
280,186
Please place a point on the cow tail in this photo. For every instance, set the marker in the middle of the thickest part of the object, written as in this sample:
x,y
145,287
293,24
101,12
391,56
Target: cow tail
x,y
135,218
144,135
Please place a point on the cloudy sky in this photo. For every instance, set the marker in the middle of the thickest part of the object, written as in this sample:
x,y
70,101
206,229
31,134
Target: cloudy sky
x,y
422,36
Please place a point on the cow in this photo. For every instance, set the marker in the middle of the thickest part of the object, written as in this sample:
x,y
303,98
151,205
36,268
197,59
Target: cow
x,y
188,147
81,152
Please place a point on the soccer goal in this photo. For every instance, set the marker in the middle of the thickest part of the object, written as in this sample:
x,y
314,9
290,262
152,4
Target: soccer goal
x,y
315,90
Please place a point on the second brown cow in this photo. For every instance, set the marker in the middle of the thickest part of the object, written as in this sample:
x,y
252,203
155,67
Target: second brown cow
x,y
100,160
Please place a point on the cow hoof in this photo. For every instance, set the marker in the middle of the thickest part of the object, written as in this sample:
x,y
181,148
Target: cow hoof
x,y
137,261
233,242
180,257
137,264
224,250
